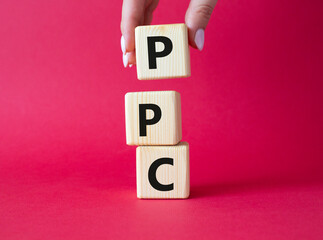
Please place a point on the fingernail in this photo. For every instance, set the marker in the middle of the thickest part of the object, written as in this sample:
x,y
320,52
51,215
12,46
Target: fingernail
x,y
199,39
130,65
123,45
125,60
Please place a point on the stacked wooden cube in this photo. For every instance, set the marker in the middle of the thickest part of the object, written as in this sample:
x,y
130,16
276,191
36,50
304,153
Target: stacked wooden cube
x,y
153,119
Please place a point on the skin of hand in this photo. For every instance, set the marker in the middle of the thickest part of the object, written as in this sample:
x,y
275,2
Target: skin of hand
x,y
140,12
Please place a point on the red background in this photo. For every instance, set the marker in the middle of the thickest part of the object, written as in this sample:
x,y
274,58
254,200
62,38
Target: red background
x,y
252,114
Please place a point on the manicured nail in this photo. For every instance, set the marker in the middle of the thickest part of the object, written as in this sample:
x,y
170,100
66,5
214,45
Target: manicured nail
x,y
123,45
125,60
199,39
130,65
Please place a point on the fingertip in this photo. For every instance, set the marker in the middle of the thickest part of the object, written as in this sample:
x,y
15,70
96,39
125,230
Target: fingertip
x,y
128,40
131,57
191,28
197,17
191,36
125,60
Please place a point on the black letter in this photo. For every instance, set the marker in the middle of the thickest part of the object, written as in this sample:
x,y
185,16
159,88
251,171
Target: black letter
x,y
152,54
152,175
143,122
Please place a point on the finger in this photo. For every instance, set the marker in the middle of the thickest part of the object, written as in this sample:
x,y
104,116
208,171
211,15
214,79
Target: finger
x,y
149,12
129,59
197,17
132,16
148,18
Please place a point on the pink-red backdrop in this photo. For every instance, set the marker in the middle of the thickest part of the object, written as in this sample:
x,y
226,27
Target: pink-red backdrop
x,y
252,113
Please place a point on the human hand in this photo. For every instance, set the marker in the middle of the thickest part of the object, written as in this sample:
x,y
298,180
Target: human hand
x,y
140,12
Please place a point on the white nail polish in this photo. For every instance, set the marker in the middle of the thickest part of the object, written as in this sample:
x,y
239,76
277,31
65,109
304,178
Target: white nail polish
x,y
123,45
125,60
199,39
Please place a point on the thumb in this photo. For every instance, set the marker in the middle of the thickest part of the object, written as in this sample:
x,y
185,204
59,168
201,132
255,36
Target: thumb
x,y
197,17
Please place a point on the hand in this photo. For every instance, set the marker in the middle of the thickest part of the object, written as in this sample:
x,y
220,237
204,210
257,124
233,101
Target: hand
x,y
140,12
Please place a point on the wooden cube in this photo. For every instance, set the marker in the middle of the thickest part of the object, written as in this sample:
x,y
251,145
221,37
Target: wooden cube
x,y
163,171
153,118
162,51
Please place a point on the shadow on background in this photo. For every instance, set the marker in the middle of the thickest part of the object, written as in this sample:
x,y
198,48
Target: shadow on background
x,y
250,186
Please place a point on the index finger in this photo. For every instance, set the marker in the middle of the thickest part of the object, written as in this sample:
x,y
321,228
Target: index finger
x,y
132,16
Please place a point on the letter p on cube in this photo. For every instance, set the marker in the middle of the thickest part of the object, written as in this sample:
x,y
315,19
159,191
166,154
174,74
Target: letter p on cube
x,y
153,118
162,51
